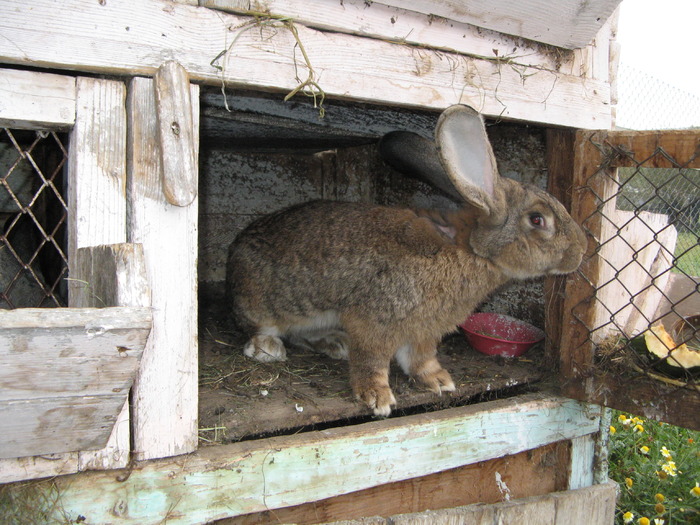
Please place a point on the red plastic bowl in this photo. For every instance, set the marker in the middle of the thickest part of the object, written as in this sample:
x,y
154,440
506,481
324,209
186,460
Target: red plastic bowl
x,y
498,334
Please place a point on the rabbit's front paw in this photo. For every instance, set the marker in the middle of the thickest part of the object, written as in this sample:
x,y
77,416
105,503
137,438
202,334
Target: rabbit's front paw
x,y
265,348
378,397
435,378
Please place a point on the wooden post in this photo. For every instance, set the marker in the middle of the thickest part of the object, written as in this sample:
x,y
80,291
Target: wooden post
x,y
97,209
164,398
591,187
560,167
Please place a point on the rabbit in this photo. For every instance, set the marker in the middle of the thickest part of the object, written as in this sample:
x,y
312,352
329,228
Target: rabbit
x,y
369,283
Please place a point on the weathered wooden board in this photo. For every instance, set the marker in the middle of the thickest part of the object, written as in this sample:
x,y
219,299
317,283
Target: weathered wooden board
x,y
406,25
164,398
96,169
136,37
175,133
57,424
596,503
278,472
31,100
65,374
566,23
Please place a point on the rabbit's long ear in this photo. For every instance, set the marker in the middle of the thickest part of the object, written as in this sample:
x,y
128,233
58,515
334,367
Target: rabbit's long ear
x,y
417,157
466,155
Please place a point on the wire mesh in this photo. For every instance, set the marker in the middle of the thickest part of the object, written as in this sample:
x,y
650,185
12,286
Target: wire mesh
x,y
643,318
33,215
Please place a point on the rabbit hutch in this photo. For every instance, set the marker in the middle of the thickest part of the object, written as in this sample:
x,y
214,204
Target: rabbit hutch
x,y
140,136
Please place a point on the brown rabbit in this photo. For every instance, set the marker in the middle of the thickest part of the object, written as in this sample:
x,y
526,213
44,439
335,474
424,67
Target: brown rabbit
x,y
368,282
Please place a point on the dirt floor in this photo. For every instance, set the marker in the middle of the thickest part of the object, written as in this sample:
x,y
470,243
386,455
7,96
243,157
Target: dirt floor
x,y
241,398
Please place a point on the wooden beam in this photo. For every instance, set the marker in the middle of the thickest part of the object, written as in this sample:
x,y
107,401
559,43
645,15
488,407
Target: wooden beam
x,y
652,149
279,472
164,399
135,37
31,100
651,399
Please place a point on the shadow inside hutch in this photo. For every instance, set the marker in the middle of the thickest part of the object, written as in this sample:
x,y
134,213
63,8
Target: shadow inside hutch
x,y
266,154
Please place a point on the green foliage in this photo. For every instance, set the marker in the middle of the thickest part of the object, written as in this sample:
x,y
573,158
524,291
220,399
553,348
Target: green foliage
x,y
658,469
688,254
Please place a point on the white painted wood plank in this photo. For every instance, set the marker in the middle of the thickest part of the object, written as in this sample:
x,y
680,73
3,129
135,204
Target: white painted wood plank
x,y
165,394
136,37
175,131
30,100
565,23
278,472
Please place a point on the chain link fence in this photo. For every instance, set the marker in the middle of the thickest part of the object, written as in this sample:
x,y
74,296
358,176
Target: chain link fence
x,y
647,102
33,215
640,312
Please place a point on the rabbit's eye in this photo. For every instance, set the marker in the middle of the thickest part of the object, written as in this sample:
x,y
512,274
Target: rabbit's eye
x,y
537,220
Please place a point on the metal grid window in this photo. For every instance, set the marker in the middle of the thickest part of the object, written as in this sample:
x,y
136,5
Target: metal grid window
x,y
33,216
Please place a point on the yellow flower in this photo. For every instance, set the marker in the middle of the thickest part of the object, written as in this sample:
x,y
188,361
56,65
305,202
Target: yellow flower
x,y
627,517
661,474
695,491
659,508
612,430
665,453
638,428
644,521
670,468
622,418
644,450
629,482
659,498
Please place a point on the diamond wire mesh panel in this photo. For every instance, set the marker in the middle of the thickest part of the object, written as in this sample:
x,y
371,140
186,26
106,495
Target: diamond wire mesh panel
x,y
645,316
33,215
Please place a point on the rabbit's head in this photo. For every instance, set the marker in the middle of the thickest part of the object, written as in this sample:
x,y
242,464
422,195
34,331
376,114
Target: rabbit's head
x,y
520,228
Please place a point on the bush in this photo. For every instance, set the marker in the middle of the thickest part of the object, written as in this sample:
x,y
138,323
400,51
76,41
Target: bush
x,y
658,469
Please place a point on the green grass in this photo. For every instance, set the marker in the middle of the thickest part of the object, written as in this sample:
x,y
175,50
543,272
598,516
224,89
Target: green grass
x,y
688,262
656,483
